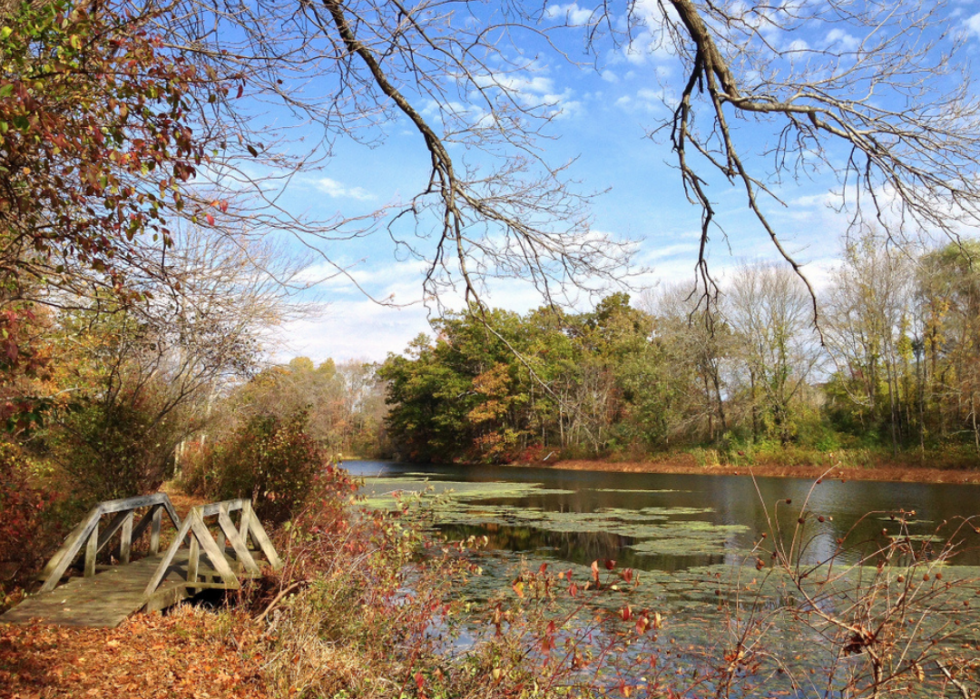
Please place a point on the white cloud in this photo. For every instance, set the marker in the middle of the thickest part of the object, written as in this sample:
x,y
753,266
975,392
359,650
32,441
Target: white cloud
x,y
352,330
536,91
973,25
571,13
609,76
649,39
649,100
797,46
337,190
685,251
839,39
563,105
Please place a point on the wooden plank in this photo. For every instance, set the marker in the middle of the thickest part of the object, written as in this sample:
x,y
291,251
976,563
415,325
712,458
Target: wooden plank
x,y
126,538
112,506
112,594
163,568
59,563
216,556
171,512
243,521
143,525
92,551
212,509
114,524
262,539
156,518
241,550
103,600
193,560
109,593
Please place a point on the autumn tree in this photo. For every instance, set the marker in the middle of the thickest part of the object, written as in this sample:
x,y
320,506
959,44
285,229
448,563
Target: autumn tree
x,y
128,385
697,348
452,69
768,311
872,325
795,77
949,290
96,149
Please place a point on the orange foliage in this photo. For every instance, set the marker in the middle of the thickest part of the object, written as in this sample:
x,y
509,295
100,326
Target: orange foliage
x,y
180,655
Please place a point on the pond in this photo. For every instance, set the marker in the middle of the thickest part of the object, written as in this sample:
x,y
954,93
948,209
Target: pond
x,y
702,544
673,522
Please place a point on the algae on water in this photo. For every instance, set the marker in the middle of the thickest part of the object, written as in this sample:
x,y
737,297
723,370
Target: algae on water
x,y
657,530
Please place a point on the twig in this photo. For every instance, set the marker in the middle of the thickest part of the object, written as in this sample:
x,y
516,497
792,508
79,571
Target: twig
x,y
955,682
278,598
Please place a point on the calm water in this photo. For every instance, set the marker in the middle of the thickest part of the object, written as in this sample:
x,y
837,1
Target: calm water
x,y
710,502
694,534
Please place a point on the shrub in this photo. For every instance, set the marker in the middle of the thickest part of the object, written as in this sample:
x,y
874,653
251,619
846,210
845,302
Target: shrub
x,y
120,446
705,457
31,525
270,460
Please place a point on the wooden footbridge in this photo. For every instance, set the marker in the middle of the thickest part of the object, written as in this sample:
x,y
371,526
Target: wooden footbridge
x,y
108,592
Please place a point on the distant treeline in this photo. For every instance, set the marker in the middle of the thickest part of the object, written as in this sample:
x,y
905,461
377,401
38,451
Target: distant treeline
x,y
893,365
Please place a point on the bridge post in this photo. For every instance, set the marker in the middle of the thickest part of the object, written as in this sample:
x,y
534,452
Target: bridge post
x,y
193,560
92,550
155,530
126,540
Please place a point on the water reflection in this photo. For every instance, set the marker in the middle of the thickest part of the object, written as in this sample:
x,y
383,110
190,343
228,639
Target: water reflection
x,y
762,505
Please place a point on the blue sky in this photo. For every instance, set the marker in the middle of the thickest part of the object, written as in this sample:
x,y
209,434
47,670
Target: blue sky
x,y
605,115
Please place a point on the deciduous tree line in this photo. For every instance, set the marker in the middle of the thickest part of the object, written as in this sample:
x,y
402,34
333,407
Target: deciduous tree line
x,y
893,364
139,194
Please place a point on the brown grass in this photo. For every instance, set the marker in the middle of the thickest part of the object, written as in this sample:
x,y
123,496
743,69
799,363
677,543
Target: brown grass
x,y
685,463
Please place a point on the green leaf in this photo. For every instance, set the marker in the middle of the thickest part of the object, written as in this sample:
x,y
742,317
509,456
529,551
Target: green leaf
x,y
5,32
6,90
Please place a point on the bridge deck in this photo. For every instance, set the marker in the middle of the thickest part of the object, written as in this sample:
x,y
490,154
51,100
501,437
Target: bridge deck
x,y
195,560
115,592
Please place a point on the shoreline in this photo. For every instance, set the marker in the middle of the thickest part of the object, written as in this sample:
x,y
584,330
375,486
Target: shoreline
x,y
898,474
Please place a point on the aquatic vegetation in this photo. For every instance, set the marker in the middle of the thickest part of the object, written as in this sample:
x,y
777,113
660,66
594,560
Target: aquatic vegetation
x,y
680,538
389,493
800,613
653,491
654,530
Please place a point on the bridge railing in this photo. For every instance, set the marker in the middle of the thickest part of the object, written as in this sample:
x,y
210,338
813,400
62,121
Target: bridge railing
x,y
195,532
88,534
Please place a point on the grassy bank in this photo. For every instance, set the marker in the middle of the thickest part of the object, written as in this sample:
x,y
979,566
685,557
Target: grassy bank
x,y
954,465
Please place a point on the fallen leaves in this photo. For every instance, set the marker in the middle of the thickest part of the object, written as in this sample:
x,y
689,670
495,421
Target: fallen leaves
x,y
184,654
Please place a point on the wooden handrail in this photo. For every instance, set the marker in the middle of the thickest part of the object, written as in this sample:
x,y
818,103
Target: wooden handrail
x,y
199,538
192,530
87,534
